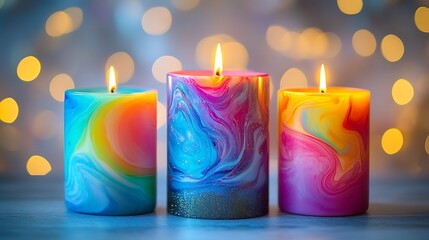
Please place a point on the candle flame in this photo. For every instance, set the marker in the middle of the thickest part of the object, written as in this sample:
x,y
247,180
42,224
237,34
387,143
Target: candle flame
x,y
218,67
322,79
112,80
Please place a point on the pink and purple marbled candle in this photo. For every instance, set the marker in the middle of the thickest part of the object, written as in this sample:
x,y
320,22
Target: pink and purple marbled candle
x,y
323,151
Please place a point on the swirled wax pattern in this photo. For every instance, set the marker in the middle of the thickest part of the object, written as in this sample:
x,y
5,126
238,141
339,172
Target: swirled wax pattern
x,y
110,151
324,151
217,144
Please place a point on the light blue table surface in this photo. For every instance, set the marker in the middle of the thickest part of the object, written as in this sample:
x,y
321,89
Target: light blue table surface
x,y
33,207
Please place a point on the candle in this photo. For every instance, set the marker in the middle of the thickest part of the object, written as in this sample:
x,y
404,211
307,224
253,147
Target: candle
x,y
217,129
323,150
110,150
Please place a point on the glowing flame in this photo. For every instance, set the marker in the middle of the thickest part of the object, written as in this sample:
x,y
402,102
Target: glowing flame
x,y
218,67
322,79
112,80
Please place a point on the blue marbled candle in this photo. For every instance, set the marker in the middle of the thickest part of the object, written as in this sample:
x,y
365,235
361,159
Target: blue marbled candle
x,y
217,144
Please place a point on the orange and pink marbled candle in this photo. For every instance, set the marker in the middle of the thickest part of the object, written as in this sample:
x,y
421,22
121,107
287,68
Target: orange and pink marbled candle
x,y
324,151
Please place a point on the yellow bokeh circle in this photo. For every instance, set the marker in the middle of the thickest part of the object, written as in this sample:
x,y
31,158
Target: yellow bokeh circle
x,y
392,141
156,21
293,78
59,84
28,68
350,7
163,65
9,110
402,92
427,145
392,48
123,64
421,18
38,166
364,43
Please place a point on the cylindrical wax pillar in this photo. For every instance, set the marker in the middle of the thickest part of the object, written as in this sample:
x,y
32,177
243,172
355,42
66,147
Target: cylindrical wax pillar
x,y
323,151
217,129
110,151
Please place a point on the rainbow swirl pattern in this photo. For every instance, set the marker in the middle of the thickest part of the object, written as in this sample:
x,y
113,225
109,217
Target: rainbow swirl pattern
x,y
324,151
217,144
110,151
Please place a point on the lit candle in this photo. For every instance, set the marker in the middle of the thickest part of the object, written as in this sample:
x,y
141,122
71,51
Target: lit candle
x,y
217,129
110,150
323,150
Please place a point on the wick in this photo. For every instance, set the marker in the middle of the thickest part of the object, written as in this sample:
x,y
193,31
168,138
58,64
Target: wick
x,y
112,90
322,91
217,73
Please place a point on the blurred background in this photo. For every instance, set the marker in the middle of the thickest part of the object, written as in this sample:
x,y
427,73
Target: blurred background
x,y
47,47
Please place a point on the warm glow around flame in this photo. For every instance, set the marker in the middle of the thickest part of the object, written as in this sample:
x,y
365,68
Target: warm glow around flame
x,y
322,79
218,67
112,80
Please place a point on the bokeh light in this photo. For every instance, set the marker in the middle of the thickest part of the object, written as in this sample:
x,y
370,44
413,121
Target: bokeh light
x,y
156,21
293,78
235,55
427,145
392,141
185,5
76,16
334,46
38,166
163,65
350,7
392,48
64,22
294,49
45,125
28,68
11,138
59,84
206,49
421,18
9,110
277,38
123,64
59,23
311,43
161,115
320,44
364,43
402,92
